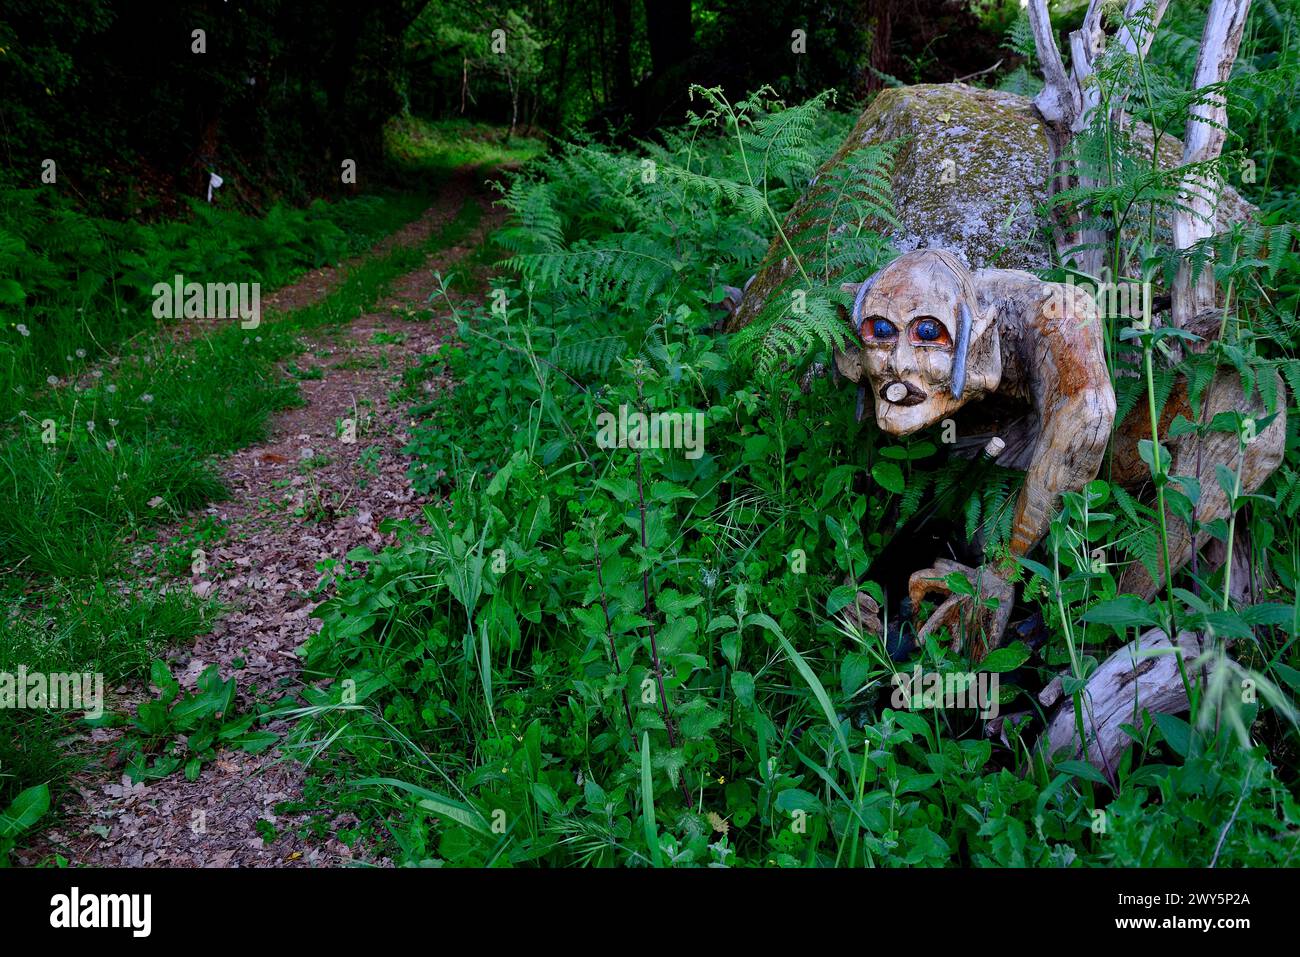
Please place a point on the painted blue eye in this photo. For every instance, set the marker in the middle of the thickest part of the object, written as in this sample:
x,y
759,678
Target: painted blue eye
x,y
883,329
928,330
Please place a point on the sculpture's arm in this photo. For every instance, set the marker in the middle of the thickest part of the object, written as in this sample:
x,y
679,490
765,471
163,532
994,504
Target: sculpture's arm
x,y
1060,362
1075,403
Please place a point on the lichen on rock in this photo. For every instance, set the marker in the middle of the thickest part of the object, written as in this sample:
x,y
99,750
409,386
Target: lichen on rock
x,y
971,177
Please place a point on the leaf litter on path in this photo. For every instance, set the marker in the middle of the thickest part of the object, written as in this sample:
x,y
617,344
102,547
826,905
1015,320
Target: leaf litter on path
x,y
301,497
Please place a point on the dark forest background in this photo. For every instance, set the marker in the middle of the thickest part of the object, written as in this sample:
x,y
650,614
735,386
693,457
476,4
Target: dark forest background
x,y
286,87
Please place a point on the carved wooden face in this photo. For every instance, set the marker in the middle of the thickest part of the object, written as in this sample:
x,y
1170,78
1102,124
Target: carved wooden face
x,y
926,347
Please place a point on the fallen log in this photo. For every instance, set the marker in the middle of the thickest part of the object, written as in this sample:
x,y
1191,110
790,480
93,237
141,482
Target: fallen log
x,y
1142,676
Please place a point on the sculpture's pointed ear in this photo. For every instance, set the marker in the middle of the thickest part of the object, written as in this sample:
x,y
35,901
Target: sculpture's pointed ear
x,y
977,354
849,363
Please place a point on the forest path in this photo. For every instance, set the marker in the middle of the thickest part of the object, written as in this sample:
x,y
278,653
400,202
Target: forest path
x,y
299,498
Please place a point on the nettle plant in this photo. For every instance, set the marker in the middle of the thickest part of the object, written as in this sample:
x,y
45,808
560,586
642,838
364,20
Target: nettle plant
x,y
632,655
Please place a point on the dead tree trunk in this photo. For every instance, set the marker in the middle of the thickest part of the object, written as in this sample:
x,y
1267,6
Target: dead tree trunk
x,y
1068,101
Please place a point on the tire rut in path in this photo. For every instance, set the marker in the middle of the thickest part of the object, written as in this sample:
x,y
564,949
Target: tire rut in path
x,y
301,497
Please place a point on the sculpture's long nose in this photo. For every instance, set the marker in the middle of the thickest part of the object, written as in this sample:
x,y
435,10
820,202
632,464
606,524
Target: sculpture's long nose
x,y
902,360
902,370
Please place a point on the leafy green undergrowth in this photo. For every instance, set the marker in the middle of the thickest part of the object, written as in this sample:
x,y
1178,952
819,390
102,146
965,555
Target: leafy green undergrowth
x,y
22,814
74,286
79,627
181,730
604,656
93,466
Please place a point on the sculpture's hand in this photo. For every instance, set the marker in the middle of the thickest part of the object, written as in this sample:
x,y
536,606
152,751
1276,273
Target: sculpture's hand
x,y
982,617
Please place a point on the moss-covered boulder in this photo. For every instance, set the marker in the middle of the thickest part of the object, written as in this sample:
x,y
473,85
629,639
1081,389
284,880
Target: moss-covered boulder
x,y
970,178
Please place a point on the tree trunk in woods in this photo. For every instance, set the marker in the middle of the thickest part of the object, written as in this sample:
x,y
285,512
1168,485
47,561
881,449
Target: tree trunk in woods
x,y
591,80
562,71
206,153
668,25
656,98
603,64
531,126
622,15
879,14
514,104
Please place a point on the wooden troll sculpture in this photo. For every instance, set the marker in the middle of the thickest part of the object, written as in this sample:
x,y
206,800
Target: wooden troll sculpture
x,y
935,336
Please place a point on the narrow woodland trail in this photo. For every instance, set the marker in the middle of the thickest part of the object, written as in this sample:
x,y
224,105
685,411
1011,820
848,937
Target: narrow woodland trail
x,y
299,498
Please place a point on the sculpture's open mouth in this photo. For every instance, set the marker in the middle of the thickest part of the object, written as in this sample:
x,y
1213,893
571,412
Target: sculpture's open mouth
x,y
901,393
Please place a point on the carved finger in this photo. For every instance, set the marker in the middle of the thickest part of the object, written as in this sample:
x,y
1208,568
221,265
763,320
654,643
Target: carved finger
x,y
933,580
947,617
992,625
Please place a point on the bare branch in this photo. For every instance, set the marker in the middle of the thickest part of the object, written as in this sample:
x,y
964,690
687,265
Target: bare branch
x,y
1054,100
1086,44
1142,42
1206,130
1141,19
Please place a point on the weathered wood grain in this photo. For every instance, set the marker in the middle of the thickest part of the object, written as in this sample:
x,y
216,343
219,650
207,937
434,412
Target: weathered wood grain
x,y
1144,675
